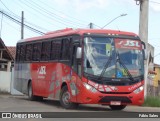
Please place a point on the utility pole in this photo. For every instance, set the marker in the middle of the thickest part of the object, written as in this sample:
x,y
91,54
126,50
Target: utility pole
x,y
22,26
143,33
91,25
143,22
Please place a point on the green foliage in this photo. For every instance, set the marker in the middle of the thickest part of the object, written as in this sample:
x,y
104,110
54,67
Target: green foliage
x,y
152,101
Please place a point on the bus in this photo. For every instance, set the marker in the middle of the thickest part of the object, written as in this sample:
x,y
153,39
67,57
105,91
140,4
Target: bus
x,y
82,66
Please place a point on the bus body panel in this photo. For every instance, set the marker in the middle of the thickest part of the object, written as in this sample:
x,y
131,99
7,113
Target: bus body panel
x,y
22,75
47,77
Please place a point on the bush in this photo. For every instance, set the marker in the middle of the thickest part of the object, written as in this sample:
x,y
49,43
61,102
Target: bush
x,y
152,101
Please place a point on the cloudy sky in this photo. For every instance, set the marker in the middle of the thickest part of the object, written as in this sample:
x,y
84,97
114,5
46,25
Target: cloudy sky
x,y
50,15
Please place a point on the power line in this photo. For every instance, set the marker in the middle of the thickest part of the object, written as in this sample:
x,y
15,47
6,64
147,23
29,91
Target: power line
x,y
47,13
15,15
18,22
13,27
10,25
35,15
154,2
96,25
40,12
84,22
59,17
36,26
10,10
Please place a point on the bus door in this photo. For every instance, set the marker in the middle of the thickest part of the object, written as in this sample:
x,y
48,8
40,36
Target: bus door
x,y
76,67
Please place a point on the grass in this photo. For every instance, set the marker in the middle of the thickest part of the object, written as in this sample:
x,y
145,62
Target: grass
x,y
152,101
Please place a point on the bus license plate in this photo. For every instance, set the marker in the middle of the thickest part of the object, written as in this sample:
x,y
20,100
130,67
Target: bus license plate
x,y
115,103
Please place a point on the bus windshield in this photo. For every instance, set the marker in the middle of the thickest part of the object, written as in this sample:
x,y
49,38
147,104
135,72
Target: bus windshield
x,y
112,58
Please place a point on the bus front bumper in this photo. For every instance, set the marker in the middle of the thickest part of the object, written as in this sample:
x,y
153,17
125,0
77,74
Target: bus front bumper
x,y
95,97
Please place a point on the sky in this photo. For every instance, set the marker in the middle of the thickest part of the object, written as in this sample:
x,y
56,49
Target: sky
x,y
50,15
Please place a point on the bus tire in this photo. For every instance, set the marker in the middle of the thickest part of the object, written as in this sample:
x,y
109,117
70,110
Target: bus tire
x,y
30,92
117,107
64,99
39,98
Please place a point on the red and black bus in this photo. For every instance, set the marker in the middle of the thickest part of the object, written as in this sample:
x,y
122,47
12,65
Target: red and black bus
x,y
82,66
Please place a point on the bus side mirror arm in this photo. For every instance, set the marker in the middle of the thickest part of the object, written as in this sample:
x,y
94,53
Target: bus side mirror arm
x,y
79,53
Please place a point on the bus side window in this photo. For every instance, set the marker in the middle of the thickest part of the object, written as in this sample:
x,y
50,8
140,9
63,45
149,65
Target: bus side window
x,y
55,50
65,49
45,52
22,53
28,52
17,53
36,52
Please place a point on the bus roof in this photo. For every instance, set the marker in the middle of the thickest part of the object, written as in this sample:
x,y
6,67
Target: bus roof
x,y
70,31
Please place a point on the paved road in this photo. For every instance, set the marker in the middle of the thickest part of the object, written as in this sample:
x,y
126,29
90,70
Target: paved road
x,y
10,103
21,103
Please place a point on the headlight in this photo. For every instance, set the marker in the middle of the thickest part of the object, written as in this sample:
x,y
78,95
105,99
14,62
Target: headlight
x,y
89,87
139,89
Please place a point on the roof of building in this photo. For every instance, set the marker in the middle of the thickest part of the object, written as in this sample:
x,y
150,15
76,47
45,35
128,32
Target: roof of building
x,y
6,56
12,50
156,65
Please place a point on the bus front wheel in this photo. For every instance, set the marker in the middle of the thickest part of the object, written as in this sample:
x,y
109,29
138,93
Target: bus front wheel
x,y
117,107
65,99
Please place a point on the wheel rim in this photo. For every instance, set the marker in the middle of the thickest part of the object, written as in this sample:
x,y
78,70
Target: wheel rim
x,y
66,98
30,91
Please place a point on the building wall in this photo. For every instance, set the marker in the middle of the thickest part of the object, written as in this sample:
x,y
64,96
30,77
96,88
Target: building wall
x,y
157,77
5,79
150,62
150,57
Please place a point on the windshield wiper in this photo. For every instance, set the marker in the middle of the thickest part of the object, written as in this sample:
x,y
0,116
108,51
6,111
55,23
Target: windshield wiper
x,y
91,76
126,69
105,67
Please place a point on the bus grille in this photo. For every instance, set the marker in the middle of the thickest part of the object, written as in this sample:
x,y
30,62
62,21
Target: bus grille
x,y
108,99
115,92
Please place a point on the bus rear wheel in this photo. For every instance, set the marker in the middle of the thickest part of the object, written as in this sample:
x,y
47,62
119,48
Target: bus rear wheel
x,y
65,99
30,93
117,107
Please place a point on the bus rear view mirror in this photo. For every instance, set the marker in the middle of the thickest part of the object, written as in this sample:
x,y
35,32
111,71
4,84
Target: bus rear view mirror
x,y
79,53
